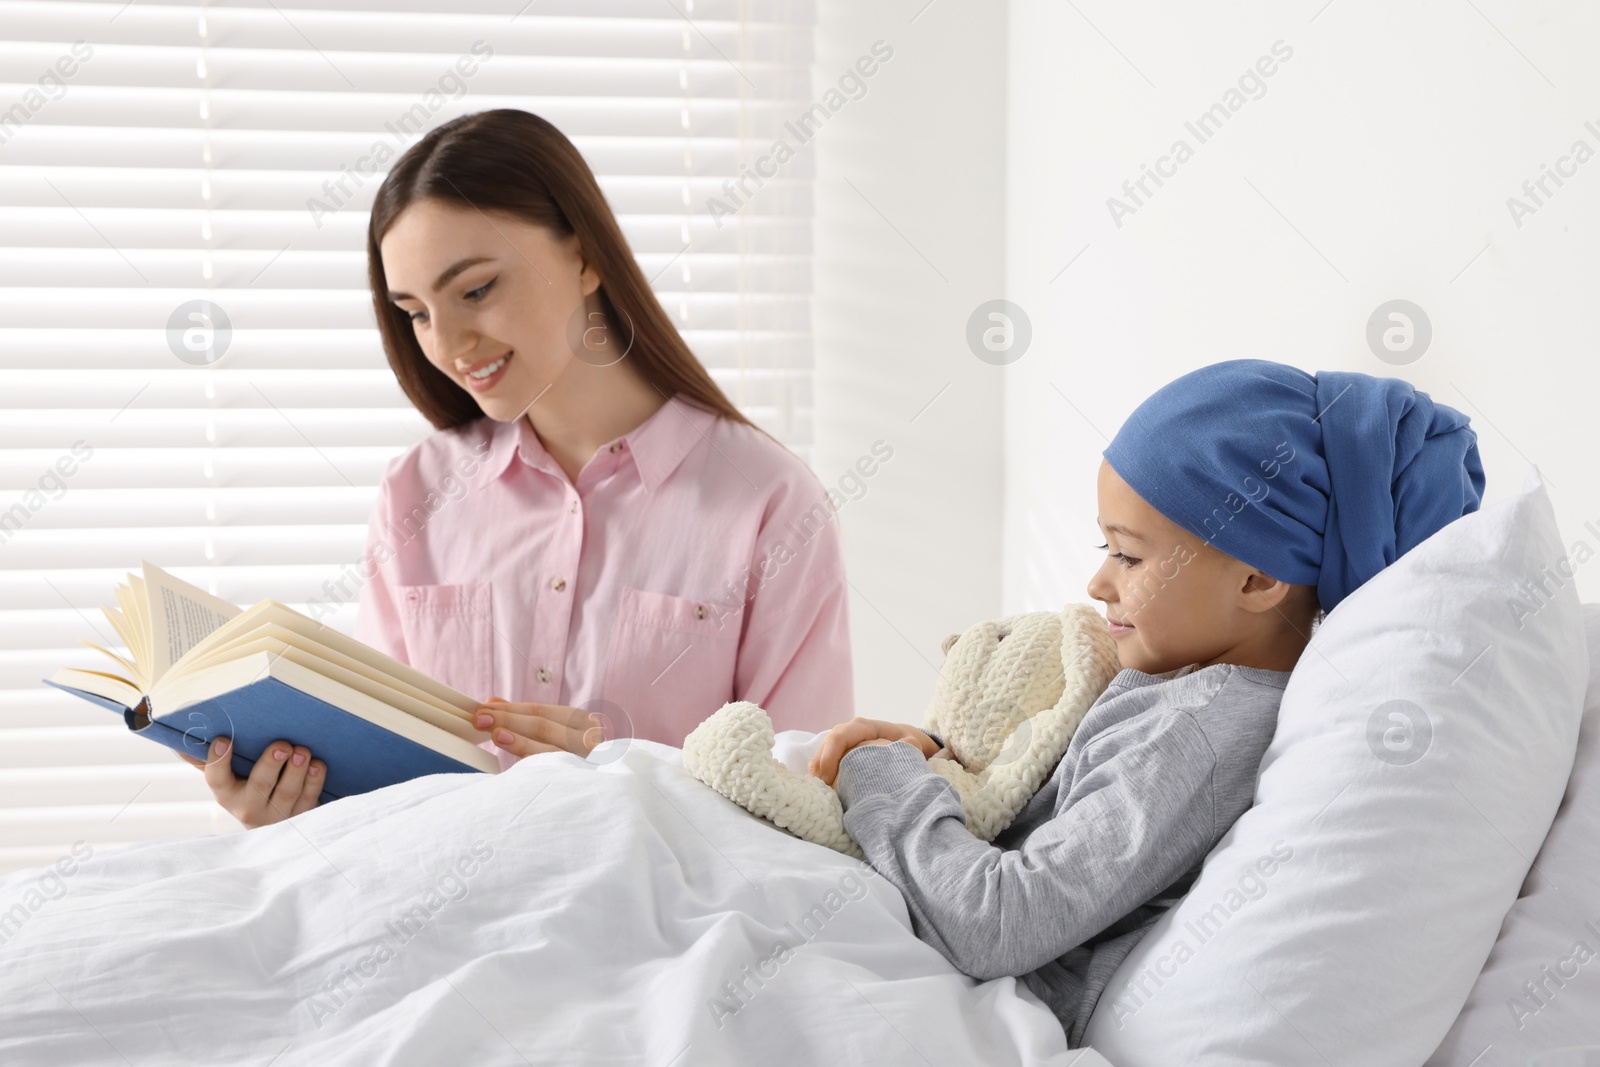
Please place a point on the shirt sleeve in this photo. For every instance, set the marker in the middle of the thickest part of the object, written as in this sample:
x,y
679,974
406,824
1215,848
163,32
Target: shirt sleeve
x,y
377,613
794,658
1134,822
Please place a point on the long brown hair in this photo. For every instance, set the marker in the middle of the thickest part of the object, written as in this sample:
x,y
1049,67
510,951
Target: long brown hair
x,y
517,163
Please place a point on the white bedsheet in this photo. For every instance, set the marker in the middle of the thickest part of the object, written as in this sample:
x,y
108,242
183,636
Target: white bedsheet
x,y
605,908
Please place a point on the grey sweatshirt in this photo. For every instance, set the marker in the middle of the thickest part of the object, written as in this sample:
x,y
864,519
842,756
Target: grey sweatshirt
x,y
1156,773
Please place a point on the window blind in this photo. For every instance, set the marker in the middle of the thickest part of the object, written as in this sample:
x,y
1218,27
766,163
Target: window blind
x,y
189,370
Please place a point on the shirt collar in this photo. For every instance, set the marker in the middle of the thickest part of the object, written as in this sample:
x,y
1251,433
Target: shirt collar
x,y
658,444
503,441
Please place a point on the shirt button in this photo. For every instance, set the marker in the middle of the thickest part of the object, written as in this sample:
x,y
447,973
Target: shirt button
x,y
574,507
544,675
617,447
559,584
699,611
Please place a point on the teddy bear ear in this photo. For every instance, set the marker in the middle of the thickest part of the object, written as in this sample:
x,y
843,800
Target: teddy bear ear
x,y
944,646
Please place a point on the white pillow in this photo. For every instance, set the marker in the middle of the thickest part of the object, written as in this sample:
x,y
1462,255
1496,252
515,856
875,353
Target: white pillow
x,y
1423,744
1552,936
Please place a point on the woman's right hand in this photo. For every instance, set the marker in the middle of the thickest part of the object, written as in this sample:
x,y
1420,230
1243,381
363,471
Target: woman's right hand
x,y
284,782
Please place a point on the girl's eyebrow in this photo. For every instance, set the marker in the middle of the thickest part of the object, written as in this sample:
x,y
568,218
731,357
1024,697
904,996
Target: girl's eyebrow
x,y
1123,530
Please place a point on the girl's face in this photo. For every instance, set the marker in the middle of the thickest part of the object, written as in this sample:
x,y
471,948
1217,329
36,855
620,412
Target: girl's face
x,y
1177,599
493,299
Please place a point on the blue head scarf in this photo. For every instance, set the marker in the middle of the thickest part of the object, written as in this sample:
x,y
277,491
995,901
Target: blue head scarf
x,y
1321,479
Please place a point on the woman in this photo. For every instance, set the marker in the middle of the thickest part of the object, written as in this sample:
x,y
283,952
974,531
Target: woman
x,y
614,545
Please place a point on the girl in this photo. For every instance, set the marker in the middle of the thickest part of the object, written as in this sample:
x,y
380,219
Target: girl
x,y
595,530
1237,503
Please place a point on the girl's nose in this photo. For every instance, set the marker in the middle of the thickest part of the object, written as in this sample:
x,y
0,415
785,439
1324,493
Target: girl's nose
x,y
1099,588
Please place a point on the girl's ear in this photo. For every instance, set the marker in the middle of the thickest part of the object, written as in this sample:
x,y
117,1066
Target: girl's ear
x,y
1262,592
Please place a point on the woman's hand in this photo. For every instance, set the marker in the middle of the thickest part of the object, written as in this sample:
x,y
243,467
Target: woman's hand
x,y
284,782
858,731
526,729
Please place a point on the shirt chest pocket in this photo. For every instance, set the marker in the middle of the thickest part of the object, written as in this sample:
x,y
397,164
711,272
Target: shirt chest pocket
x,y
449,634
671,664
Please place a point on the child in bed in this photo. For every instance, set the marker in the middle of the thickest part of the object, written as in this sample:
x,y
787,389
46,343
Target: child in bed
x,y
1237,504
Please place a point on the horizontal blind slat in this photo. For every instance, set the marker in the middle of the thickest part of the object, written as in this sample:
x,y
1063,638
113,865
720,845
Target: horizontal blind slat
x,y
133,148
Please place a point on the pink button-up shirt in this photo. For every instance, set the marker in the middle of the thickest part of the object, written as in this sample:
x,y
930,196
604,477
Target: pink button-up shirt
x,y
694,562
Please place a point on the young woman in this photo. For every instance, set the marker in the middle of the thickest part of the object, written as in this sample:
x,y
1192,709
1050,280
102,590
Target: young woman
x,y
595,531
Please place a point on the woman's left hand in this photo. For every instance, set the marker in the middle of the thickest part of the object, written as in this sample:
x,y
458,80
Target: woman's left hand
x,y
528,729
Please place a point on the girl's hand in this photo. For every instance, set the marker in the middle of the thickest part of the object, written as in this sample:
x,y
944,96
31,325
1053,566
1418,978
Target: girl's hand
x,y
284,782
858,731
525,729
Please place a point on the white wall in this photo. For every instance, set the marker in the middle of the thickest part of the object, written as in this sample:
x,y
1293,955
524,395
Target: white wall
x,y
1376,166
908,241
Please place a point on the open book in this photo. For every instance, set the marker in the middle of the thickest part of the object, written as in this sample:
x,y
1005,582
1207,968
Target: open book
x,y
201,668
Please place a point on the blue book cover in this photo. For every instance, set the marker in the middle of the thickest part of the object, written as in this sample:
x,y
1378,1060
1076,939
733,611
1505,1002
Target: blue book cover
x,y
360,755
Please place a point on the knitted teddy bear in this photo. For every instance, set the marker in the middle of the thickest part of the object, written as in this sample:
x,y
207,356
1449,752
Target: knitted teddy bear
x,y
1010,694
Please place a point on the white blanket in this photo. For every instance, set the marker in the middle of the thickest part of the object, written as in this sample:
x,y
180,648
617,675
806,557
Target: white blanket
x,y
614,911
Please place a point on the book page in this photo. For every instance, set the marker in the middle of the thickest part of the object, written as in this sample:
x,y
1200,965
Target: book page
x,y
315,635
304,632
138,617
134,675
181,615
245,635
278,642
124,628
135,628
100,684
